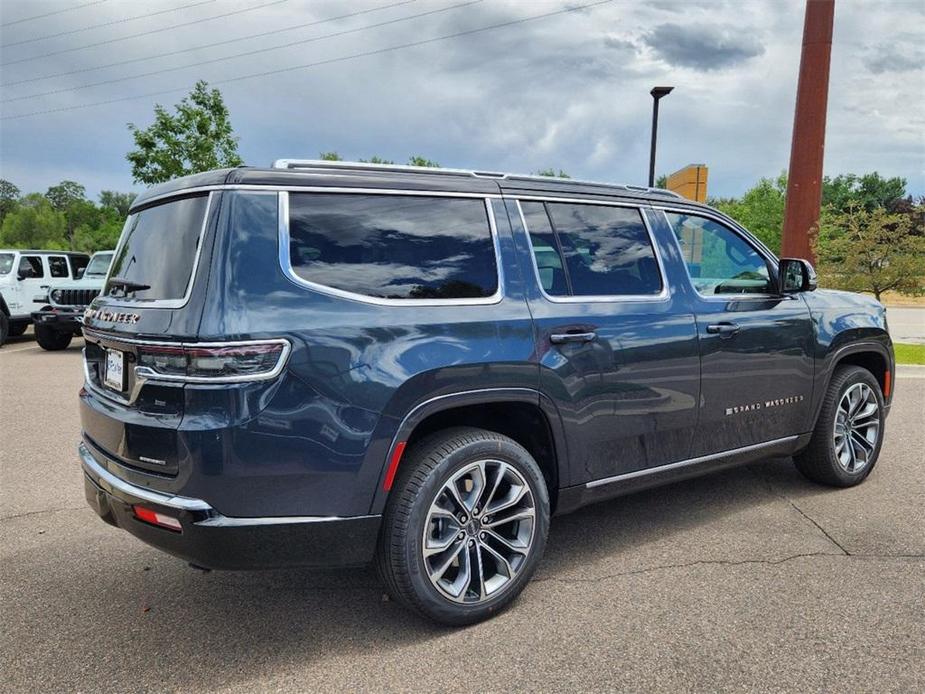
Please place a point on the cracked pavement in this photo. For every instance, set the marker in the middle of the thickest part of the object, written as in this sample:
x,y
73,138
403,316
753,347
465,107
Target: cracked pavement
x,y
751,579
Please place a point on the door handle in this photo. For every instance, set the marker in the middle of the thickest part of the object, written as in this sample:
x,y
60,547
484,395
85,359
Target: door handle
x,y
563,338
724,330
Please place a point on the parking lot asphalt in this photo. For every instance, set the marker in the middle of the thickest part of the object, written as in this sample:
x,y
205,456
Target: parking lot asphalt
x,y
748,580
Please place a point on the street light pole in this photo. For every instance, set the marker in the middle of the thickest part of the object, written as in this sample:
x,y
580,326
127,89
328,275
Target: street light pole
x,y
657,93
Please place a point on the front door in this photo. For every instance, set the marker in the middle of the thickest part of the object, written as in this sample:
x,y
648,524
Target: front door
x,y
34,283
617,352
756,346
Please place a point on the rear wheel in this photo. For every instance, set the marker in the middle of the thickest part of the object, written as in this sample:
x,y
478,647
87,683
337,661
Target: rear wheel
x,y
465,526
849,432
52,340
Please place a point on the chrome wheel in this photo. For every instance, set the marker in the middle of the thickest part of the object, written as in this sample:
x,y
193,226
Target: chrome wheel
x,y
479,531
857,427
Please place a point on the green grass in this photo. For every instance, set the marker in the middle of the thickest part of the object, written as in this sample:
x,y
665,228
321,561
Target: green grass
x,y
909,354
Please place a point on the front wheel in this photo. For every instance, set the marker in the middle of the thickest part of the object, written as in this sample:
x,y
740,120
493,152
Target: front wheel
x,y
52,340
849,432
464,527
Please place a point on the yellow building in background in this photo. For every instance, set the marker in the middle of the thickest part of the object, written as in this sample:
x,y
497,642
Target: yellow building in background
x,y
691,182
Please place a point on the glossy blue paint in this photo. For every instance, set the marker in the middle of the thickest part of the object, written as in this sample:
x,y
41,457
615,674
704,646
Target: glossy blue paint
x,y
653,387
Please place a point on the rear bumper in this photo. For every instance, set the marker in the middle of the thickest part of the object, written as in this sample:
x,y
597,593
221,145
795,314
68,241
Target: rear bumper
x,y
212,540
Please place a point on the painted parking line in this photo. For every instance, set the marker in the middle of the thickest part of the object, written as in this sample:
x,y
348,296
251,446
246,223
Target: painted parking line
x,y
22,348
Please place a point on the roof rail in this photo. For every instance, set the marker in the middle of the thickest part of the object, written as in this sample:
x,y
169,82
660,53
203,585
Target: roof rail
x,y
402,168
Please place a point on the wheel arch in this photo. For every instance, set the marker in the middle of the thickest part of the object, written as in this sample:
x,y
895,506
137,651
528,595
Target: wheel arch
x,y
523,414
874,356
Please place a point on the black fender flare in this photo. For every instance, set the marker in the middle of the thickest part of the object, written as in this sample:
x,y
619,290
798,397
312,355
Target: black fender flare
x,y
482,396
832,359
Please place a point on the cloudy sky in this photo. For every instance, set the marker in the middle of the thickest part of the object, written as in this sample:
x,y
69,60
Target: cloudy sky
x,y
568,90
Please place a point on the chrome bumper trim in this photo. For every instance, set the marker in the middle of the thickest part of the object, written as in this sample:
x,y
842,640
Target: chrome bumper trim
x,y
184,503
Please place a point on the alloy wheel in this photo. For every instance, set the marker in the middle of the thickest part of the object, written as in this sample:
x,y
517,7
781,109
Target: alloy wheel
x,y
857,427
479,531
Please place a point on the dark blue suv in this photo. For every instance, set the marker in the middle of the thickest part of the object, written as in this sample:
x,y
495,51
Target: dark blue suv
x,y
333,364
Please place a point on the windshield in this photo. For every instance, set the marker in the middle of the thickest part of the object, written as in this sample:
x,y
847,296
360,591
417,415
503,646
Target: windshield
x,y
99,265
157,251
6,263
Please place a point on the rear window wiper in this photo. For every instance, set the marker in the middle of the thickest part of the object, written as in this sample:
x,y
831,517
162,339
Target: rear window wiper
x,y
128,286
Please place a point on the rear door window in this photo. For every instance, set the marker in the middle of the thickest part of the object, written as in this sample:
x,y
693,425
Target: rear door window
x,y
157,251
602,250
393,246
57,265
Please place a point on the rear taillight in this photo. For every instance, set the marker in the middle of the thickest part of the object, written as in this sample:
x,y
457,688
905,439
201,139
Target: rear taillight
x,y
213,362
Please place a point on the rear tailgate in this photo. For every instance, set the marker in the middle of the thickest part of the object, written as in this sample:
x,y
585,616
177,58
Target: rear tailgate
x,y
153,297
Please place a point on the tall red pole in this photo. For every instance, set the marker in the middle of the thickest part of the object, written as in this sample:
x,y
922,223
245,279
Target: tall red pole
x,y
804,185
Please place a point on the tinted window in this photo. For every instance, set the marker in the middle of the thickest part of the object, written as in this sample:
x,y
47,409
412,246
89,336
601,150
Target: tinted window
x,y
57,265
606,250
78,262
392,246
545,249
6,263
158,249
718,259
31,266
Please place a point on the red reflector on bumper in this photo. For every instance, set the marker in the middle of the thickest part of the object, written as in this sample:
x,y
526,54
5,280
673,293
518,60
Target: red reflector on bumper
x,y
158,519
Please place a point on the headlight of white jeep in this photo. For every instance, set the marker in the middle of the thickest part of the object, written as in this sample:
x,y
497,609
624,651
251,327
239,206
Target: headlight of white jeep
x,y
56,295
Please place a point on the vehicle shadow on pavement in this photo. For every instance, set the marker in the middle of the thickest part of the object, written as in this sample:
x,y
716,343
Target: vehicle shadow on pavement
x,y
142,607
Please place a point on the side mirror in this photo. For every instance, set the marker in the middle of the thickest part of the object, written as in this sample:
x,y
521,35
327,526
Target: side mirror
x,y
25,273
79,273
796,275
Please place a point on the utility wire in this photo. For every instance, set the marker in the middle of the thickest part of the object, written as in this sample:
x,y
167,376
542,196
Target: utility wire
x,y
272,32
140,34
256,51
304,66
49,14
106,24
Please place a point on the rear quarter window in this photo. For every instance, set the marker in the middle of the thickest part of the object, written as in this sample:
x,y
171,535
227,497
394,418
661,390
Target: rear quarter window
x,y
393,246
6,263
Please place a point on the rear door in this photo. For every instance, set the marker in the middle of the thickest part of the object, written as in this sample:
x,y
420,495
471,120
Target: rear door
x,y
755,345
617,351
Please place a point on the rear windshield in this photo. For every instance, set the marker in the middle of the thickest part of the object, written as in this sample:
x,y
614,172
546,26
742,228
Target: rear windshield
x,y
6,263
157,251
393,246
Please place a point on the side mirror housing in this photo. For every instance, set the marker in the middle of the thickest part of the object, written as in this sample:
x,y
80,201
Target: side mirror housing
x,y
79,273
796,275
24,273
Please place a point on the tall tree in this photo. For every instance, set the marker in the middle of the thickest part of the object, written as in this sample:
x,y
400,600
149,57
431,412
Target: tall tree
x,y
871,251
69,198
868,191
9,198
120,202
198,137
417,160
760,209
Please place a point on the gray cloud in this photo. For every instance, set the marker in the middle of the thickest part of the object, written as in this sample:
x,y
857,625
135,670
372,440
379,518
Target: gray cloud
x,y
893,57
703,46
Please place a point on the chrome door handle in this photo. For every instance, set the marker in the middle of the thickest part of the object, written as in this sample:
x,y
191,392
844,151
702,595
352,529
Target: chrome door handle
x,y
563,338
724,330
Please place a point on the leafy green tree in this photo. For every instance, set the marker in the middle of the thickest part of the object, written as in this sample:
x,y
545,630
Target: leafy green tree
x,y
65,193
661,181
760,209
330,156
417,160
101,233
69,198
197,138
871,251
120,202
9,198
34,224
867,191
552,173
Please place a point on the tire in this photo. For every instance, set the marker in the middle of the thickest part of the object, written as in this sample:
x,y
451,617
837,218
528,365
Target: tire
x,y
846,460
17,329
52,340
417,506
4,328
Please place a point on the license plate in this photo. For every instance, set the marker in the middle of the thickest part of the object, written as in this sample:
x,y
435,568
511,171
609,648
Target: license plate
x,y
115,370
